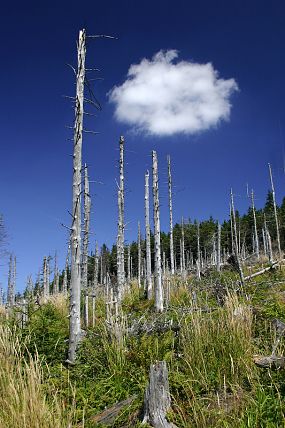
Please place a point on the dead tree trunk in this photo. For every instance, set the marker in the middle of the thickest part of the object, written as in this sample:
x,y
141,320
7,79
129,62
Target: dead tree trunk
x,y
198,261
139,255
87,209
65,280
129,263
121,226
219,248
46,278
275,213
11,283
75,284
170,217
236,246
157,401
95,282
55,276
255,227
157,252
147,238
183,250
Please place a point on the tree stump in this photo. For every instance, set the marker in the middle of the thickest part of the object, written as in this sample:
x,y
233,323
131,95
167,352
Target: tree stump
x,y
157,400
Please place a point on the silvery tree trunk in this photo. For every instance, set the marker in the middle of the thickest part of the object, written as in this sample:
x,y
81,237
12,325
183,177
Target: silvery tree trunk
x,y
11,284
95,282
129,263
139,255
65,280
170,216
87,209
56,276
46,278
219,248
147,238
158,290
198,261
183,250
236,246
268,244
255,226
121,226
75,283
275,212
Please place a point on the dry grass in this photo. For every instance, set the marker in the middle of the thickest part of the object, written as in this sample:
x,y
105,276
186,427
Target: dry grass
x,y
23,403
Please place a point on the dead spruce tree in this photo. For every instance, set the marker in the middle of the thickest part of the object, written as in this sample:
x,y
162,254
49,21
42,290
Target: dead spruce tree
x,y
85,244
170,216
183,269
275,212
55,276
147,237
198,260
218,261
139,255
256,241
46,278
158,290
95,282
75,283
65,279
11,282
236,245
121,226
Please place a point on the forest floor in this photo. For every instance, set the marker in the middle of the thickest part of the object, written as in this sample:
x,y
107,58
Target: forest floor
x,y
211,335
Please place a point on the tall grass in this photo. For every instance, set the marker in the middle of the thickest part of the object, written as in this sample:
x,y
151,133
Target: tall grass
x,y
23,403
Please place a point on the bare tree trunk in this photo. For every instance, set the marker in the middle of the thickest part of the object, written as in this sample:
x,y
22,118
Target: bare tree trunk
x,y
56,276
75,284
275,213
198,261
129,263
95,282
65,280
11,283
236,246
219,248
157,252
255,226
170,217
268,244
183,250
121,227
147,238
87,209
139,255
46,278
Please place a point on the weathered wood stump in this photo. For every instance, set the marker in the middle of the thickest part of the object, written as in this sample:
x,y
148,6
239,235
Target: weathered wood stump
x,y
157,400
270,362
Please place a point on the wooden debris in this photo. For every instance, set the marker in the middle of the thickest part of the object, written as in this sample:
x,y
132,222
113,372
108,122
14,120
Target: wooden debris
x,y
157,400
273,265
108,416
271,362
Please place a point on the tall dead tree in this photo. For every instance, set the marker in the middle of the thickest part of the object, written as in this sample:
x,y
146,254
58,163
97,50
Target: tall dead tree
x,y
236,245
87,209
183,250
46,278
121,226
139,255
218,261
158,290
95,282
55,276
11,282
170,216
255,226
75,283
65,278
147,238
198,260
275,212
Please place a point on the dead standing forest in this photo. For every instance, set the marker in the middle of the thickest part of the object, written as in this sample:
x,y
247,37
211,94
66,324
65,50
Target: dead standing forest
x,y
182,328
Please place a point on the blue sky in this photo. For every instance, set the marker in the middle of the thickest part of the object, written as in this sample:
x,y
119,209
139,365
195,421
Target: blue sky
x,y
243,40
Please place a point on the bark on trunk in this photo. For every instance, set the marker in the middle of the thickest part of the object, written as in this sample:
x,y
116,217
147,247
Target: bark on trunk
x,y
157,252
121,227
75,284
157,400
147,238
236,246
255,226
275,213
170,216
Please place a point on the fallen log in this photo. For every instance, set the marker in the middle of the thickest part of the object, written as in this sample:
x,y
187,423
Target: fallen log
x,y
253,275
270,362
108,416
157,400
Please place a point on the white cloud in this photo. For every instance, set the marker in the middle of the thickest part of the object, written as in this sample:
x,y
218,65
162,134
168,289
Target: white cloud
x,y
164,97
